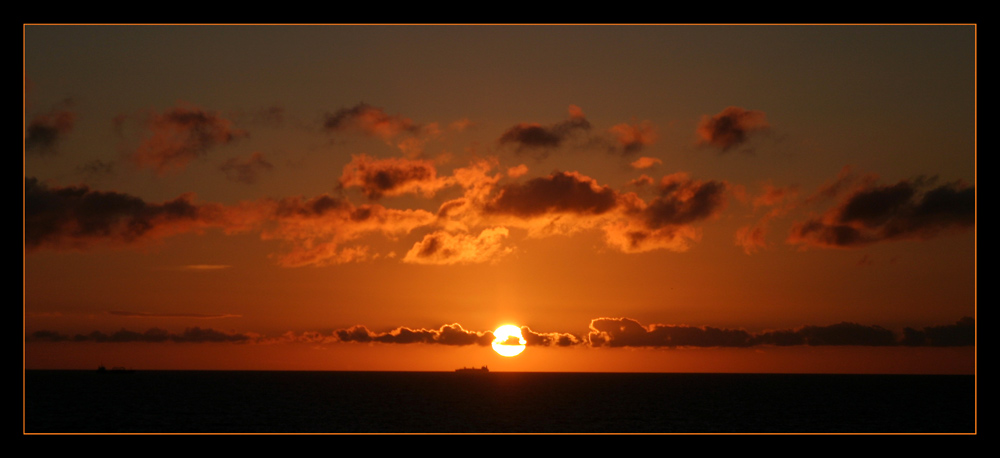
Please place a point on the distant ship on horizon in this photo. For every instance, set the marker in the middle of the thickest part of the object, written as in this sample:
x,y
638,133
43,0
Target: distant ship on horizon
x,y
483,369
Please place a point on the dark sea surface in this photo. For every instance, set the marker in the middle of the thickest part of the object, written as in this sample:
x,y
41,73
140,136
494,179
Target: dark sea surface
x,y
498,402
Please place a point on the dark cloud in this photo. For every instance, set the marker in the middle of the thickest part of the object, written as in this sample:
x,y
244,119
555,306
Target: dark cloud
x,y
837,334
181,135
44,132
561,192
905,210
246,170
390,177
369,120
730,128
541,139
962,333
75,216
627,332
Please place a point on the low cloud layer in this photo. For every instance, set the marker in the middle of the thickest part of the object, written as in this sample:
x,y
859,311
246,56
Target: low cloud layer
x,y
604,332
730,128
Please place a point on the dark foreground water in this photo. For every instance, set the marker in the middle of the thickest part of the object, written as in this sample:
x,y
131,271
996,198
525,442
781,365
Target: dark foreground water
x,y
436,402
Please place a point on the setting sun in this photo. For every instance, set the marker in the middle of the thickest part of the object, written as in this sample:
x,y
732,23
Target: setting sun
x,y
508,340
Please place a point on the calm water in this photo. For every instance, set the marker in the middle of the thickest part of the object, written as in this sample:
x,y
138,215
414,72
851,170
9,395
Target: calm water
x,y
436,402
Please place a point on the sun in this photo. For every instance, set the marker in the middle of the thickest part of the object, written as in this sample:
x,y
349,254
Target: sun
x,y
508,341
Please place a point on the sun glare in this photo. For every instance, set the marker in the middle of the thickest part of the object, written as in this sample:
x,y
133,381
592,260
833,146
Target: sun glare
x,y
508,340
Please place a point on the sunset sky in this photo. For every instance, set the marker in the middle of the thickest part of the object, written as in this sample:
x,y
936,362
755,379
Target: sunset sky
x,y
647,198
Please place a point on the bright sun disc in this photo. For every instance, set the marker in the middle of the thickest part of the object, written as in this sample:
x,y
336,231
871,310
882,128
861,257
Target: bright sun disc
x,y
508,340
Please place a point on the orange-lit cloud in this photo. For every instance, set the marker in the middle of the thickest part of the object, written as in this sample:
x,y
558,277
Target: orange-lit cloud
x,y
779,199
443,248
665,222
181,135
548,339
875,213
45,131
246,170
316,230
632,138
391,177
645,162
730,128
540,139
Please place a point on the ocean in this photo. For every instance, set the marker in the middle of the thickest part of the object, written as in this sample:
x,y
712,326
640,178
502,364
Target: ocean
x,y
497,402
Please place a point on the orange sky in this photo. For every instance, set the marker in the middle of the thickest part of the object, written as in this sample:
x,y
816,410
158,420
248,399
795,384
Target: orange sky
x,y
637,198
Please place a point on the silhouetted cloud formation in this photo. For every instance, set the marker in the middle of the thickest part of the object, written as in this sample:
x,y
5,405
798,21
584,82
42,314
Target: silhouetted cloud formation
x,y
627,332
905,210
76,216
962,333
604,332
246,170
390,177
181,135
541,139
730,128
45,131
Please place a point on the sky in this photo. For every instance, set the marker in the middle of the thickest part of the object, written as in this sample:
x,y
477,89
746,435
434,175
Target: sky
x,y
638,198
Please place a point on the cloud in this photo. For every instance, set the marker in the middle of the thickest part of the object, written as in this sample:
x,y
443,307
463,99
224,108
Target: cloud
x,y
76,216
541,139
665,222
962,333
730,128
246,170
316,230
907,210
391,177
452,334
442,248
45,131
632,138
369,120
560,192
181,135
645,162
627,332
548,339
779,199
